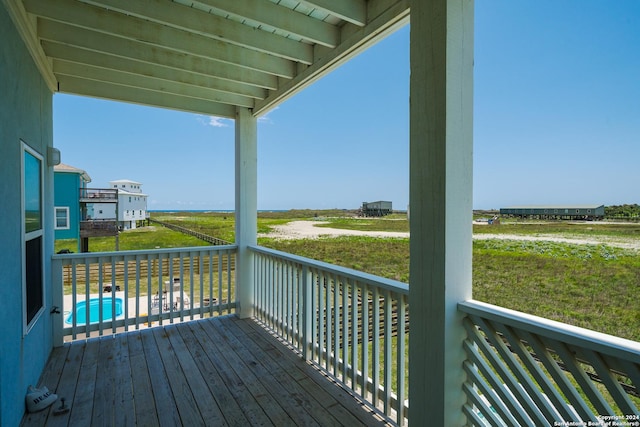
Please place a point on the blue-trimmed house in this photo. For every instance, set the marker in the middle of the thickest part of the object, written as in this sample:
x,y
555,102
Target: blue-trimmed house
x,y
67,181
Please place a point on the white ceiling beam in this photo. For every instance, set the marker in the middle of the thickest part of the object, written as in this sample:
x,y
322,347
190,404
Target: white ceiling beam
x,y
132,28
100,42
209,25
28,32
282,18
96,89
61,67
82,56
393,17
353,11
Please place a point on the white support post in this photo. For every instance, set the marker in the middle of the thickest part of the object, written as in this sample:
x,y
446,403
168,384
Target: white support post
x,y
441,185
246,207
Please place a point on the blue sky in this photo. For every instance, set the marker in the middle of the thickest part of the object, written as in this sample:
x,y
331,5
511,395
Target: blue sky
x,y
556,120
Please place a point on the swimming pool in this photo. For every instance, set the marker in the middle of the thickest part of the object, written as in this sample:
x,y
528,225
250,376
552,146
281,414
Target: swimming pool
x,y
94,310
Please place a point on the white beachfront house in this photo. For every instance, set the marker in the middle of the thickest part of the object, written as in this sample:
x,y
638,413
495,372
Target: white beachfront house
x,y
131,208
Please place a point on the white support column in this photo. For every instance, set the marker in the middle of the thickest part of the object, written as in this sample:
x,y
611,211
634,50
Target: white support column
x,y
246,207
441,185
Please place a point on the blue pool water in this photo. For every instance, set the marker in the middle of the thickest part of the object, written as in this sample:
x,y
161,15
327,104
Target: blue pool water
x,y
94,311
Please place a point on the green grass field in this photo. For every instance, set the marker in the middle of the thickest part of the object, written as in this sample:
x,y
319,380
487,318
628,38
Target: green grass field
x,y
592,286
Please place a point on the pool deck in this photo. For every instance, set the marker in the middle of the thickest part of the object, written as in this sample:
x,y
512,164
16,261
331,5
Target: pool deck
x,y
217,371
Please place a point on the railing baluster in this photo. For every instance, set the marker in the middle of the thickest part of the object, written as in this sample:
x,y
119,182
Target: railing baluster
x,y
345,327
336,324
113,290
387,353
400,364
125,287
375,395
354,335
365,340
328,296
307,314
100,305
321,315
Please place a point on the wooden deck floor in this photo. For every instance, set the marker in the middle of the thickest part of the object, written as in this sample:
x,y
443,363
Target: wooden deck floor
x,y
214,372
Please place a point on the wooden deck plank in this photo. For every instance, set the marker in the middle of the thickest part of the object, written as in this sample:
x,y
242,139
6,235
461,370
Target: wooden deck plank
x,y
123,393
204,399
145,407
103,402
82,405
236,386
232,412
271,406
167,413
185,401
221,371
303,407
343,398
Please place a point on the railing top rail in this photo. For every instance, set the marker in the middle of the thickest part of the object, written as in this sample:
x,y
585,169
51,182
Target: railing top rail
x,y
574,335
191,249
392,285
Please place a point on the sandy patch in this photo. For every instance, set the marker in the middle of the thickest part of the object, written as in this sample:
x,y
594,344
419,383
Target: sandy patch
x,y
309,230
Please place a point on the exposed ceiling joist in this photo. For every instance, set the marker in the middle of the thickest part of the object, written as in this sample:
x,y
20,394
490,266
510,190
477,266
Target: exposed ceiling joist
x,y
105,43
206,24
132,28
72,69
353,11
98,89
82,56
280,18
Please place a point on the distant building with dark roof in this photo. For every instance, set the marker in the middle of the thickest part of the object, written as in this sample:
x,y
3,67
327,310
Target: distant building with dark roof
x,y
555,211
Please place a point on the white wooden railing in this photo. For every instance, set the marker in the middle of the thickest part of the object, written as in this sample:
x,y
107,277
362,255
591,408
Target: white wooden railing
x,y
352,325
524,370
148,287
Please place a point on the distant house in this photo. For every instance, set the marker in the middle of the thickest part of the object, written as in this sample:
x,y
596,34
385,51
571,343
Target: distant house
x,y
555,211
67,182
379,208
131,208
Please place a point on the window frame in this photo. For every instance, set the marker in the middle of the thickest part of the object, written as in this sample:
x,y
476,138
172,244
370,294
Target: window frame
x,y
67,218
31,235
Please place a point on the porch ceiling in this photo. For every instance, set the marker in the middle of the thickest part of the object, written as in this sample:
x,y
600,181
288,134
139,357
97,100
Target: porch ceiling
x,y
204,56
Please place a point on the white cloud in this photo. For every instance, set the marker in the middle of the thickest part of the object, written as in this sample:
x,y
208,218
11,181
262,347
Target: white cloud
x,y
216,122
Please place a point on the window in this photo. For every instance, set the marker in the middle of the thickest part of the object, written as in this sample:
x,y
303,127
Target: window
x,y
32,280
62,218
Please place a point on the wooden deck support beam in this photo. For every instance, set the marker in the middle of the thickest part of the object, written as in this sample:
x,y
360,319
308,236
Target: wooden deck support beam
x,y
441,181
